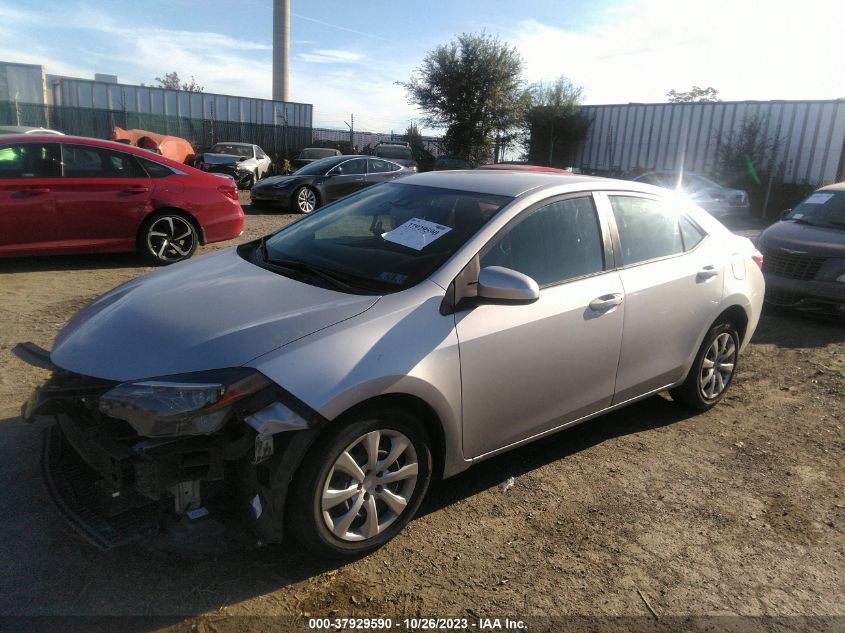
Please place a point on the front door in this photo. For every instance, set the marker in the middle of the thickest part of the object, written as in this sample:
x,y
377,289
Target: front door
x,y
346,178
29,173
526,369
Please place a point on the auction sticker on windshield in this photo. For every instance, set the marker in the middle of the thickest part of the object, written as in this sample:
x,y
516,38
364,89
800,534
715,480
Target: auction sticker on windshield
x,y
818,198
416,233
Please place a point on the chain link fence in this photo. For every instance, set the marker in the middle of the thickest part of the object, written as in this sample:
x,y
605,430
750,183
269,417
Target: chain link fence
x,y
279,141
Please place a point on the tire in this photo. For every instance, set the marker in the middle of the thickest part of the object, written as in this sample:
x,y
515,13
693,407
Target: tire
x,y
337,514
167,238
713,369
305,199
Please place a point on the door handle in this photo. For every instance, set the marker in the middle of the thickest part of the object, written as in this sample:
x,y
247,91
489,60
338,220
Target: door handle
x,y
707,272
137,189
35,191
605,302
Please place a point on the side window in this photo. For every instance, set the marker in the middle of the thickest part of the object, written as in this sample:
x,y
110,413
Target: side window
x,y
353,167
30,160
154,169
691,233
94,162
557,242
648,229
259,153
377,166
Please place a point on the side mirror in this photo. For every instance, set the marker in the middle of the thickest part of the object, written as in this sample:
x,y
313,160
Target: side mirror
x,y
503,285
785,213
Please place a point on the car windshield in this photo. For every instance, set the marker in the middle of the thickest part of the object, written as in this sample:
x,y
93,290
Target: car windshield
x,y
823,208
383,239
393,151
232,149
320,167
317,153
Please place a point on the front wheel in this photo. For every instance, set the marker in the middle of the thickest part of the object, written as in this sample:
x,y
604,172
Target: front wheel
x,y
305,199
361,485
167,238
713,369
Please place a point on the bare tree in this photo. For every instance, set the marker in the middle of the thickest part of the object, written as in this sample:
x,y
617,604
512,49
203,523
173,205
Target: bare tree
x,y
171,81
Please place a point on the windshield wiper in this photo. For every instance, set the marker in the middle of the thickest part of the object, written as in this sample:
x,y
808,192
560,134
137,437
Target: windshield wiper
x,y
336,280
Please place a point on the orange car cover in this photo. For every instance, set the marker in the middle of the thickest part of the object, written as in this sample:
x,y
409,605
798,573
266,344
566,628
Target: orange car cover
x,y
172,147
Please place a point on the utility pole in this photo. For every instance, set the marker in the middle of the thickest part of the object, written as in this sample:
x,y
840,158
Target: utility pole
x,y
351,127
281,50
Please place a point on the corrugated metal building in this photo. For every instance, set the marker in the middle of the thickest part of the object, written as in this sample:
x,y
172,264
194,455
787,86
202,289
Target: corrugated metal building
x,y
69,91
27,83
656,136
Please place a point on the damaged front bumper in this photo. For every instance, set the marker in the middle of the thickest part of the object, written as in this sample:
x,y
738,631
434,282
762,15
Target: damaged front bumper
x,y
239,472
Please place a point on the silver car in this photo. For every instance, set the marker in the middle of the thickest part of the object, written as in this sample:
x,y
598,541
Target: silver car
x,y
703,191
408,331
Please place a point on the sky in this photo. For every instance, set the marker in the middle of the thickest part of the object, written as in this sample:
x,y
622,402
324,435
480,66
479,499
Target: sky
x,y
347,56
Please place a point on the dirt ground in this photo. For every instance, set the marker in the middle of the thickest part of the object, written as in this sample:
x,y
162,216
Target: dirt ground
x,y
650,511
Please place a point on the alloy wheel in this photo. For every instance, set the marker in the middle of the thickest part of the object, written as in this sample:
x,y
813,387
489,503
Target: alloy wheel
x,y
306,201
171,238
717,367
369,485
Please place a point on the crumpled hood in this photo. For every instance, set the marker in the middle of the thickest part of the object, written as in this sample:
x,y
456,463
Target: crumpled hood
x,y
817,241
207,313
224,159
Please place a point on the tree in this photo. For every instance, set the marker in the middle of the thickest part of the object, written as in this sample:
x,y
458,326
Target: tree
x,y
423,157
473,88
171,81
745,159
553,117
696,94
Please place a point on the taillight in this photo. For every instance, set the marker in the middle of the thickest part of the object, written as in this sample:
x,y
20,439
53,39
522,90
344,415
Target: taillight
x,y
229,191
757,256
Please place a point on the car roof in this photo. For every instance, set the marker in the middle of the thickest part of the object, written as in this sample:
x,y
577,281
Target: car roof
x,y
836,186
234,143
510,183
97,142
27,129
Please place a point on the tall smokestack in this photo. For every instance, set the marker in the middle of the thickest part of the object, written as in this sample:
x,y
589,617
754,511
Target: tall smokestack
x,y
281,49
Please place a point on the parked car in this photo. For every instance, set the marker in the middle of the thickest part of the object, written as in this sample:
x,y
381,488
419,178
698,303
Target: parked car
x,y
804,254
525,167
310,154
444,163
323,181
398,152
26,129
245,162
67,194
405,332
704,191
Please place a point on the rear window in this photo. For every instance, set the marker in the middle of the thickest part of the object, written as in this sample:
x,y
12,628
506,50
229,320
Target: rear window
x,y
393,151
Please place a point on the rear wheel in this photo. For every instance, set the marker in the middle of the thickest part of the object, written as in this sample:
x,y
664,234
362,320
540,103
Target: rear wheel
x,y
167,238
361,485
713,369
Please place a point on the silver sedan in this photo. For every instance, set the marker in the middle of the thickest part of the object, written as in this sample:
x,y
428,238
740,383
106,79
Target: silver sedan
x,y
402,333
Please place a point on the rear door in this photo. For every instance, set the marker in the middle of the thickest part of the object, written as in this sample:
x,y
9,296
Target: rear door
x,y
527,369
673,277
29,173
103,196
347,177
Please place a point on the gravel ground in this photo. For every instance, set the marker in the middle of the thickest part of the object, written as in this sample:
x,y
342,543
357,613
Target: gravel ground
x,y
649,510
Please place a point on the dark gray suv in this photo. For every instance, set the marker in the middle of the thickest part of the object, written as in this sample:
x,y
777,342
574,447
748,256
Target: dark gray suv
x,y
804,254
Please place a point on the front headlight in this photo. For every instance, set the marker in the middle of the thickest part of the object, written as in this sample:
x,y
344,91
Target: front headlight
x,y
189,404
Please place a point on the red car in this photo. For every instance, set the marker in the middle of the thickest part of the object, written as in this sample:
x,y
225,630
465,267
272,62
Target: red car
x,y
66,194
